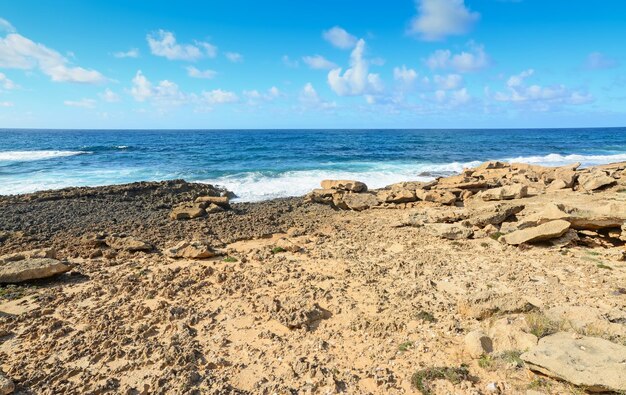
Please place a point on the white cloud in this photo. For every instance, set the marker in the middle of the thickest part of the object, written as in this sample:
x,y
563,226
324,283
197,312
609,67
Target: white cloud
x,y
339,38
437,19
452,98
219,96
163,43
407,76
356,80
599,61
254,96
131,53
539,97
310,99
163,94
318,62
19,52
234,57
289,62
473,60
195,73
142,88
82,103
109,96
6,26
6,83
6,104
448,82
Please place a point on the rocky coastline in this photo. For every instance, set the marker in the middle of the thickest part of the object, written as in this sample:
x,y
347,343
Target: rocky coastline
x,y
504,279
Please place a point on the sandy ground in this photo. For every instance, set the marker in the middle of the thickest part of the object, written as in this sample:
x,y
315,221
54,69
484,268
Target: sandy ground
x,y
358,306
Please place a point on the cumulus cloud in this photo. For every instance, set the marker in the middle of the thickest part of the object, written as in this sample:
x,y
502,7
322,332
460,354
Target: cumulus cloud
x,y
254,96
6,83
407,76
219,96
539,97
163,43
318,62
599,61
196,73
437,19
131,53
82,103
109,96
448,82
466,61
19,52
339,38
164,94
234,57
356,80
309,98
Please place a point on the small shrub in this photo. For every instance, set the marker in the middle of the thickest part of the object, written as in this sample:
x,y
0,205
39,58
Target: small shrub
x,y
422,378
539,383
425,316
486,362
277,250
230,259
496,235
405,346
540,325
484,244
512,357
603,266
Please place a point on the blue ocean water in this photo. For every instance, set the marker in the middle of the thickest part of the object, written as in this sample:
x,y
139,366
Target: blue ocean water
x,y
263,164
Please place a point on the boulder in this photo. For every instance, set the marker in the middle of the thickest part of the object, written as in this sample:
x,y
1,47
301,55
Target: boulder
x,y
187,211
494,214
587,319
441,197
595,180
546,231
288,245
213,208
129,244
485,304
477,344
222,201
450,231
557,185
507,334
323,196
194,249
396,195
19,256
6,384
507,192
595,364
17,271
609,215
344,185
360,201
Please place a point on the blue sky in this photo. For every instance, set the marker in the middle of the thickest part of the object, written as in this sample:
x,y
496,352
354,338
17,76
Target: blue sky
x,y
318,64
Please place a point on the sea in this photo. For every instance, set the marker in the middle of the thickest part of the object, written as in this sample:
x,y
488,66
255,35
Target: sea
x,y
264,164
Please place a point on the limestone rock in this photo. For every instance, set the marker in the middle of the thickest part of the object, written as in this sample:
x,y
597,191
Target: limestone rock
x,y
38,253
222,201
556,185
507,334
360,201
623,234
477,344
609,215
485,304
16,271
128,243
450,231
194,249
595,180
187,211
494,214
442,197
214,208
507,192
546,231
589,362
586,319
396,195
344,185
288,245
6,384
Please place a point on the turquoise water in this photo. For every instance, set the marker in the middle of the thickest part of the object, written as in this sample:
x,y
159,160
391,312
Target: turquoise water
x,y
263,164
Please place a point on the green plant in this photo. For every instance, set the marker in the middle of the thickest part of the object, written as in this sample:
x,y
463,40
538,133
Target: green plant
x,y
512,357
484,244
277,250
230,259
539,383
603,266
486,362
422,378
496,235
405,346
425,316
540,325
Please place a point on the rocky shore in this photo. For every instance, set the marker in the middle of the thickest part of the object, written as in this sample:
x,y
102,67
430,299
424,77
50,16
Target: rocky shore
x,y
505,279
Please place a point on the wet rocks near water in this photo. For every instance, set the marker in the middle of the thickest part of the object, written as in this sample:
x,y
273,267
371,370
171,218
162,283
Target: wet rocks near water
x,y
344,185
589,362
30,265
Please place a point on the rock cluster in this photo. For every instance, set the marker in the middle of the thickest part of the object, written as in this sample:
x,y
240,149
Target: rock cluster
x,y
30,265
200,207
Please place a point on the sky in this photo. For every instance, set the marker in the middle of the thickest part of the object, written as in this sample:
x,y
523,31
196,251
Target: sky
x,y
315,64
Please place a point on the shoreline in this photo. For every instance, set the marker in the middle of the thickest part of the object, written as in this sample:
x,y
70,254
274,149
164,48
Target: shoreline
x,y
345,289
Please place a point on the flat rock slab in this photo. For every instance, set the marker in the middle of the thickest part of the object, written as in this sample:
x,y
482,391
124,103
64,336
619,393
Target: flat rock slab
x,y
596,364
547,231
31,269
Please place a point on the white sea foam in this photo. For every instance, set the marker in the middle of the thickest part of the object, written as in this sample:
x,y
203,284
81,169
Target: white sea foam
x,y
25,156
562,160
